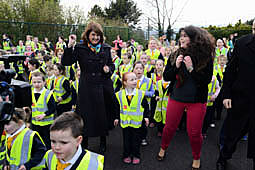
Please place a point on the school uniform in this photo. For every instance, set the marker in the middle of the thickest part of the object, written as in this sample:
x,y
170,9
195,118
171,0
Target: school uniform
x,y
145,84
43,102
24,147
62,89
133,109
74,91
82,160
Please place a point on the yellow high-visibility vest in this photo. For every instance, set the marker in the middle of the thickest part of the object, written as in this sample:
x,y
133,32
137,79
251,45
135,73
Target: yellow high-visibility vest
x,y
59,90
131,115
90,161
160,112
40,107
211,91
21,150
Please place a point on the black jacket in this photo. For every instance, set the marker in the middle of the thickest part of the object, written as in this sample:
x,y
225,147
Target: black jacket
x,y
201,78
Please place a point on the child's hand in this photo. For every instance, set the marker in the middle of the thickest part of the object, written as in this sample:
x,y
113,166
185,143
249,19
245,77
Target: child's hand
x,y
40,117
146,121
22,167
213,97
72,40
60,99
116,122
7,167
157,98
106,69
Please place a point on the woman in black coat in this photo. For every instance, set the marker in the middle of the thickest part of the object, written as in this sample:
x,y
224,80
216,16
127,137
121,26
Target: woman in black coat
x,y
96,96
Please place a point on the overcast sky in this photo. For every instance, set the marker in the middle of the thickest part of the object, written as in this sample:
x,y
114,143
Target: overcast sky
x,y
196,12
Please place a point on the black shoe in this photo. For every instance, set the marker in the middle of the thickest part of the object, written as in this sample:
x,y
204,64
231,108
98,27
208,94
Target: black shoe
x,y
221,165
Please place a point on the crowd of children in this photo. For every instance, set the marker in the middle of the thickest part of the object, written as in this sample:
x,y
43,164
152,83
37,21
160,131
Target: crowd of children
x,y
141,91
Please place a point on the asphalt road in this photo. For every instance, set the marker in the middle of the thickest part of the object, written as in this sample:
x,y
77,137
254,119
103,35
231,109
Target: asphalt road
x,y
178,156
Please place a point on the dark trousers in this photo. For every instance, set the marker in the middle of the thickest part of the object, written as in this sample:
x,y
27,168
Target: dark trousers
x,y
209,116
61,108
85,142
219,105
44,132
153,108
144,131
237,124
160,127
131,142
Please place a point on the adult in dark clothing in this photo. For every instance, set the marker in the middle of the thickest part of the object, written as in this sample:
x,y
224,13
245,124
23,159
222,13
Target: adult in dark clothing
x,y
190,68
238,95
96,96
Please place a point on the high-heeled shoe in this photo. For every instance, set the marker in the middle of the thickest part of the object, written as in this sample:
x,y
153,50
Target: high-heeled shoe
x,y
160,158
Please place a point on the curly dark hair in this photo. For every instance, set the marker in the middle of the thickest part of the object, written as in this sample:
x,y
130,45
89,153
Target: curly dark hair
x,y
201,49
92,26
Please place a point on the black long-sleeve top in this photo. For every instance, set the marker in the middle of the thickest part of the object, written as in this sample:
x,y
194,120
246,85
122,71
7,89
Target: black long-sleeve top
x,y
51,104
201,79
66,86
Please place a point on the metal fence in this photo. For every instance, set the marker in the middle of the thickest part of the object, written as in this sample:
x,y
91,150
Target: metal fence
x,y
19,30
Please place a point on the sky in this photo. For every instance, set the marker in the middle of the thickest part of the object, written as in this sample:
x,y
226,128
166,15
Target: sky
x,y
195,12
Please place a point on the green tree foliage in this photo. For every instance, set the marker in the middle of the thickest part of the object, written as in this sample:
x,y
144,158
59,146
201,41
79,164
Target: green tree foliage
x,y
125,10
96,11
220,32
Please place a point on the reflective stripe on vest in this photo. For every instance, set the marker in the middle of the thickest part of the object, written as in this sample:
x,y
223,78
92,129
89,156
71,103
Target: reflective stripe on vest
x,y
160,112
21,149
114,79
131,116
60,91
75,85
211,91
40,107
90,161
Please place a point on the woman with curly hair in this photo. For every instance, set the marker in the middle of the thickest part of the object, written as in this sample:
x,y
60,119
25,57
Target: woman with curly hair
x,y
190,70
95,102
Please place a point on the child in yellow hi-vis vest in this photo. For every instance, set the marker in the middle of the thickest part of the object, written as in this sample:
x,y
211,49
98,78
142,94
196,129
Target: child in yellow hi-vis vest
x,y
126,66
24,147
133,110
145,84
2,149
33,66
62,90
43,107
213,92
75,88
50,77
67,153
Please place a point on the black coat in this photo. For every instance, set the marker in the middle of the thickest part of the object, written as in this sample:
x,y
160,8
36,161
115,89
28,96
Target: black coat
x,y
96,96
238,85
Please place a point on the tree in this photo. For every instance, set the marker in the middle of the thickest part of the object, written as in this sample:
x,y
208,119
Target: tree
x,y
126,10
96,11
165,15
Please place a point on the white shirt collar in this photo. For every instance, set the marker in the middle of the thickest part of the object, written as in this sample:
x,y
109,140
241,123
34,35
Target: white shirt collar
x,y
39,91
19,130
74,158
141,79
130,94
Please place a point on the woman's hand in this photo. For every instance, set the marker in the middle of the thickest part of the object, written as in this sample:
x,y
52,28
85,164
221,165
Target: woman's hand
x,y
106,69
179,61
227,103
188,63
72,40
116,122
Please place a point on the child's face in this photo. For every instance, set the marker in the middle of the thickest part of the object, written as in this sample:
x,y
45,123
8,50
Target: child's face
x,y
144,59
63,144
50,72
168,52
153,44
124,45
59,54
125,59
56,71
113,52
1,67
138,70
78,73
11,127
30,67
20,43
219,43
159,65
28,48
222,61
38,82
131,81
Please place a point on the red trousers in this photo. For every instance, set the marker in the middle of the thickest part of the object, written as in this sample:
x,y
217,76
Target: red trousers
x,y
195,118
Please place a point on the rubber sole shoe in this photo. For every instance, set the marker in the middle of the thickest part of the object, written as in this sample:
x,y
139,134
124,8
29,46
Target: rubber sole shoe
x,y
144,142
136,161
127,160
